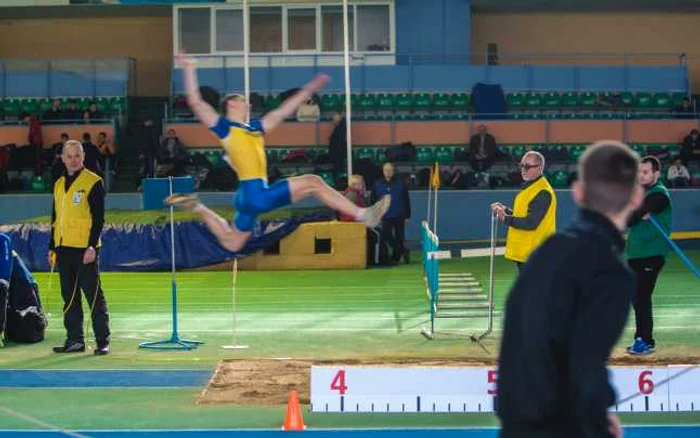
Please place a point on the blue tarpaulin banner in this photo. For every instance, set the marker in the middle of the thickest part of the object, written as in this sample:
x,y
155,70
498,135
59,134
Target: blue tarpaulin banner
x,y
147,247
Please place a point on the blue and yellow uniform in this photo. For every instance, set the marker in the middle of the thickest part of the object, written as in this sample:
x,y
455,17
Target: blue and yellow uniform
x,y
245,147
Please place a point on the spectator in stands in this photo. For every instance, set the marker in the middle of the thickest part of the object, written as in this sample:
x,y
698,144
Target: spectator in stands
x,y
72,113
338,144
92,113
148,149
482,149
35,140
107,151
691,147
92,154
171,156
356,192
685,109
309,112
458,180
57,166
55,112
678,175
399,213
533,216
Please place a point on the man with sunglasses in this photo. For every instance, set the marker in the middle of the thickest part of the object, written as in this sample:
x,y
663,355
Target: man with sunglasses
x,y
533,216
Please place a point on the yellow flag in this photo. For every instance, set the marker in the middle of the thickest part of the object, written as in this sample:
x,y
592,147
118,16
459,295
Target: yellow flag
x,y
435,178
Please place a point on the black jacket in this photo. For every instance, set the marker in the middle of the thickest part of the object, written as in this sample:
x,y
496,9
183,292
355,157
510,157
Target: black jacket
x,y
564,315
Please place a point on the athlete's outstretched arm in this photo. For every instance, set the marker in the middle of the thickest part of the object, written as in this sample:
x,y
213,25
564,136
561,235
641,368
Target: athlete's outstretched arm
x,y
290,106
204,112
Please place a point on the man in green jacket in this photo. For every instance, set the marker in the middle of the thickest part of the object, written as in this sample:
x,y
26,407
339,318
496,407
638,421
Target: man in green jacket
x,y
647,250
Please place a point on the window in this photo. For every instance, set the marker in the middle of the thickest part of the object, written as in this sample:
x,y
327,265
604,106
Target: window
x,y
229,30
195,30
301,29
266,30
332,28
373,28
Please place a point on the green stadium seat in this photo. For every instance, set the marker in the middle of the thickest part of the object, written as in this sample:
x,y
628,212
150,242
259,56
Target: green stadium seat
x,y
44,105
330,102
11,107
575,152
271,155
443,154
368,102
642,100
424,117
327,177
365,154
65,101
424,155
588,100
441,102
422,101
640,149
117,105
673,149
569,100
215,158
385,102
559,179
354,101
516,151
38,184
515,100
272,101
627,99
29,106
381,155
83,103
533,101
460,101
404,102
662,100
677,98
103,104
460,153
551,100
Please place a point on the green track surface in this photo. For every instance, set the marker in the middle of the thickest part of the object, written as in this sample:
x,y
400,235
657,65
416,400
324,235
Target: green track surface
x,y
371,314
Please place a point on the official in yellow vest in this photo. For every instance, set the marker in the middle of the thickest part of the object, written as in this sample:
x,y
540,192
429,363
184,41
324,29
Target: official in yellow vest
x,y
533,216
76,224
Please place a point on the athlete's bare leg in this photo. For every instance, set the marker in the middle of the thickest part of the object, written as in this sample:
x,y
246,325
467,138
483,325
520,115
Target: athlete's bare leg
x,y
313,185
228,236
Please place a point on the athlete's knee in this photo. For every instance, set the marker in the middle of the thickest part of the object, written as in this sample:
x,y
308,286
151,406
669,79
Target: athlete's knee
x,y
314,182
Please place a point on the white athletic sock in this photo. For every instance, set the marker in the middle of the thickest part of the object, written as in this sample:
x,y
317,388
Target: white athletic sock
x,y
362,215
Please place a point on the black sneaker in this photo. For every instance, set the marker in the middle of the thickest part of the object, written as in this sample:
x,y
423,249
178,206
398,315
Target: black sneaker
x,y
101,350
70,347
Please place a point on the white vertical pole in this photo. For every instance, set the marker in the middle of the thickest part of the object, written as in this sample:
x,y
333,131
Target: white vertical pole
x,y
430,193
435,208
348,109
246,56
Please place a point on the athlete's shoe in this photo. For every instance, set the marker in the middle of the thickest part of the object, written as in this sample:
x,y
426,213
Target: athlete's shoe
x,y
188,202
374,214
640,348
70,347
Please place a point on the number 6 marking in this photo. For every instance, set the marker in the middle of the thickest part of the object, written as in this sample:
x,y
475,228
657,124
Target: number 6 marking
x,y
646,385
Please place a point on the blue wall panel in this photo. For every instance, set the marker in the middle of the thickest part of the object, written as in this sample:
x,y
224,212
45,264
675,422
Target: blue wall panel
x,y
603,78
553,78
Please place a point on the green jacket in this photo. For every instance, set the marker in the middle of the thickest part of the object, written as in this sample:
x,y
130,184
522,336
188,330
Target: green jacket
x,y
644,239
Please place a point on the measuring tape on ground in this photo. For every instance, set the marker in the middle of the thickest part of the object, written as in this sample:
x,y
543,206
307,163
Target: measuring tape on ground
x,y
471,389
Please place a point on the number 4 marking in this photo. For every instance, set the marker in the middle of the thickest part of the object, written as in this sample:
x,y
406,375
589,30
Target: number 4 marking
x,y
338,383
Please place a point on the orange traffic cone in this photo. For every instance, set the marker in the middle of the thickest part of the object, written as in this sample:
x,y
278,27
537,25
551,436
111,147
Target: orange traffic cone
x,y
293,420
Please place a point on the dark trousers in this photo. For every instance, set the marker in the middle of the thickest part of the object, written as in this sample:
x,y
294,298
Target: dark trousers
x,y
75,276
526,430
481,165
393,233
647,271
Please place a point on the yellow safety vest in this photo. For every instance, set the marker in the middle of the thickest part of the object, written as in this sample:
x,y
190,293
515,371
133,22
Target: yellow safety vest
x,y
521,243
73,217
